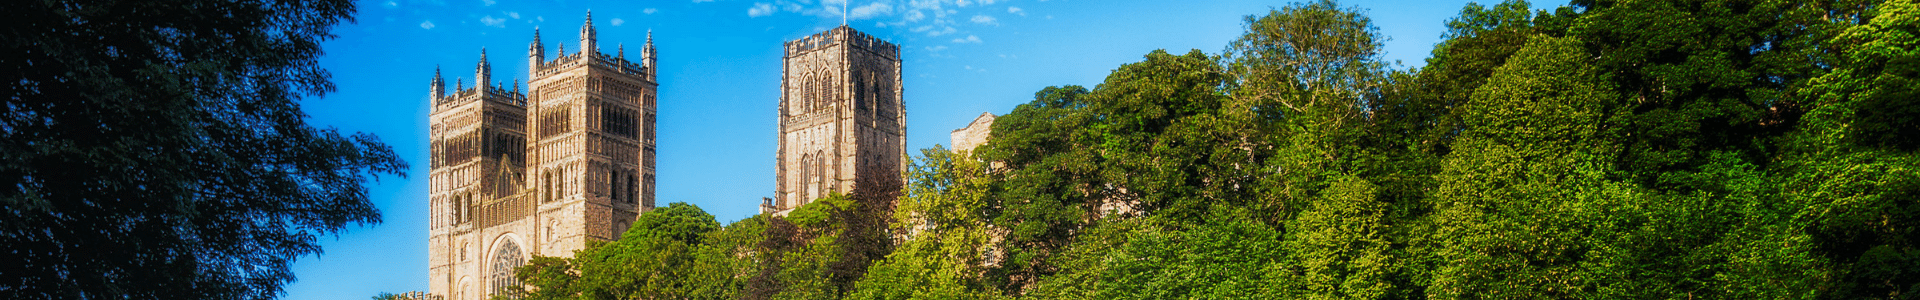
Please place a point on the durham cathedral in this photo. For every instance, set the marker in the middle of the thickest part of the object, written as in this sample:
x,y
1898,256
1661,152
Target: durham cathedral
x,y
570,159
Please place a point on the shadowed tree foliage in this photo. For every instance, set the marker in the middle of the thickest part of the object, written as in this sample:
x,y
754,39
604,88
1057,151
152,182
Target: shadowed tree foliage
x,y
156,149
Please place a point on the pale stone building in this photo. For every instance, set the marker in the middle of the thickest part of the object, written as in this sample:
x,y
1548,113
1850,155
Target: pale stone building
x,y
842,123
975,134
543,172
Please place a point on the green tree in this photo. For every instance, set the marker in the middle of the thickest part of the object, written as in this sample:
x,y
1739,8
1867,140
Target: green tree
x,y
1844,225
1049,175
656,258
1514,197
950,251
156,149
1341,246
819,250
652,260
725,260
1305,72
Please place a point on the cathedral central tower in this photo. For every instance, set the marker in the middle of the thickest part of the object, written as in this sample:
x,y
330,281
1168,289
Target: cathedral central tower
x,y
842,123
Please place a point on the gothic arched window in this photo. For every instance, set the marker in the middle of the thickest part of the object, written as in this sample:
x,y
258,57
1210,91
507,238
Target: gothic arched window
x,y
806,180
824,185
505,259
812,97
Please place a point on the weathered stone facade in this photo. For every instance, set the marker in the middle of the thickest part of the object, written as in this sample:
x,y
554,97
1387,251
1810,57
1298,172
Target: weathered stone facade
x,y
975,134
543,172
842,123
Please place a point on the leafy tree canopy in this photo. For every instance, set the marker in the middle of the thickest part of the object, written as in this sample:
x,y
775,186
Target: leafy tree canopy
x,y
157,149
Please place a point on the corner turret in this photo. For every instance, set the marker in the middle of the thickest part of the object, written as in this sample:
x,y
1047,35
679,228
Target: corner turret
x,y
483,72
647,56
536,54
588,37
439,88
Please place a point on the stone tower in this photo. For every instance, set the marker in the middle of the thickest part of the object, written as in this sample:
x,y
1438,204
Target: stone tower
x,y
537,173
842,123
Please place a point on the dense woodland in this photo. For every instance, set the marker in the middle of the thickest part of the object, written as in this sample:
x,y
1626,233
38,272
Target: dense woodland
x,y
1602,149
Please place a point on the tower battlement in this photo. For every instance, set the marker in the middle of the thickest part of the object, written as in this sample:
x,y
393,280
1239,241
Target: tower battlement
x,y
846,36
600,61
492,93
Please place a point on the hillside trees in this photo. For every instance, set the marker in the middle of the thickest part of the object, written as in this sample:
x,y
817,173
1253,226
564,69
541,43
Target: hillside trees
x,y
1606,149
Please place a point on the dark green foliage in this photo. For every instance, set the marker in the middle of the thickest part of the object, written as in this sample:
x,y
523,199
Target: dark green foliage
x,y
157,149
1605,150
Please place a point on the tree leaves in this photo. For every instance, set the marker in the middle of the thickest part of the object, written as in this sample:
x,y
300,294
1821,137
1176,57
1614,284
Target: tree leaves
x,y
157,150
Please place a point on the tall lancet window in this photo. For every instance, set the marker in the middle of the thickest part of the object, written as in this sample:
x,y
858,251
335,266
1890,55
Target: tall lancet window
x,y
504,261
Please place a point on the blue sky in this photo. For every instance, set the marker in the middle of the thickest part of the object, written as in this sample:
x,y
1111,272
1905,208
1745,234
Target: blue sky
x,y
719,77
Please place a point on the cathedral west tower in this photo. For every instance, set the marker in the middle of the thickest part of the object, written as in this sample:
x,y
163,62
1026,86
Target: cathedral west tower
x,y
544,172
842,123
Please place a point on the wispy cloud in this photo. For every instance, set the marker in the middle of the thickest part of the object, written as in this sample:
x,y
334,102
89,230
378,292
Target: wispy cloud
x,y
930,30
426,25
970,39
487,2
492,21
870,11
649,10
513,14
1016,10
618,21
985,19
760,10
937,48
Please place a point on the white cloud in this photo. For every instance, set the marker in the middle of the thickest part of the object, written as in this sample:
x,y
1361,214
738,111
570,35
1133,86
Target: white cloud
x,y
488,2
870,10
934,32
393,4
650,10
618,21
1016,10
426,25
937,48
513,14
492,21
760,9
540,19
984,19
913,16
970,39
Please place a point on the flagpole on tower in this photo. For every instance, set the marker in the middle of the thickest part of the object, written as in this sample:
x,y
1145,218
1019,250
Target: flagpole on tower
x,y
843,12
